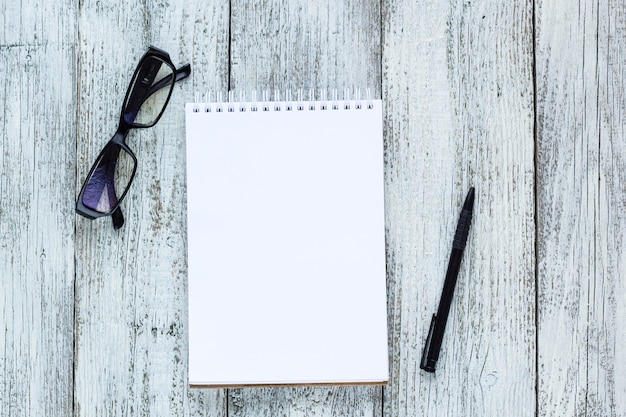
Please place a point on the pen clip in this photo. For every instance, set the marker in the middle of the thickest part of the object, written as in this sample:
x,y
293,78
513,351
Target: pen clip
x,y
428,363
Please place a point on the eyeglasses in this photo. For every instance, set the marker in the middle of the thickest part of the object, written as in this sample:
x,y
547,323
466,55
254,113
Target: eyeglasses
x,y
113,172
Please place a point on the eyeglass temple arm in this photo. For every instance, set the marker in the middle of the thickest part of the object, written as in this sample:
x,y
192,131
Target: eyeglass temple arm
x,y
118,218
181,73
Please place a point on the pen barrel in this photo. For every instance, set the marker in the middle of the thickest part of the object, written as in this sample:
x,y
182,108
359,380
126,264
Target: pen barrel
x,y
462,230
448,290
430,355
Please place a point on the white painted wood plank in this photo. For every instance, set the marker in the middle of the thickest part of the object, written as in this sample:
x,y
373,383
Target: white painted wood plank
x,y
131,301
283,44
440,65
581,108
458,88
305,401
608,336
280,44
37,166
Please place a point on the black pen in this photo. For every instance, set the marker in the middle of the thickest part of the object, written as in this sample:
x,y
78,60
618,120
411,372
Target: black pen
x,y
438,323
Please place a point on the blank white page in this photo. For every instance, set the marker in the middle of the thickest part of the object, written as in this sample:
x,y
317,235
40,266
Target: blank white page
x,y
286,245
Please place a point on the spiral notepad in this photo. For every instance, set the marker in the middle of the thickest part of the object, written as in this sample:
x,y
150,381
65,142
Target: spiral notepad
x,y
286,243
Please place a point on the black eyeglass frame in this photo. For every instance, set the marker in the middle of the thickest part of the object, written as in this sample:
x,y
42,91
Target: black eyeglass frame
x,y
124,126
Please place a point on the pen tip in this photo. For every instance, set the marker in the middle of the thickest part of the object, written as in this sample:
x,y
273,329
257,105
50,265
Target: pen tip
x,y
469,200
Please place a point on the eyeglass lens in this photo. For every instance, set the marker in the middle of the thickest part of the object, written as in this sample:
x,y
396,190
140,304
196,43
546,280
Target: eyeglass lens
x,y
149,92
109,180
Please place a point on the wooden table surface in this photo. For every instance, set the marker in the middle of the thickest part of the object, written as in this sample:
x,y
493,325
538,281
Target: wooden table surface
x,y
525,100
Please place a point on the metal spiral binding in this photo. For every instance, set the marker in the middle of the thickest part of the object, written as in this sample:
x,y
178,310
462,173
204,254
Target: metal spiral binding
x,y
276,101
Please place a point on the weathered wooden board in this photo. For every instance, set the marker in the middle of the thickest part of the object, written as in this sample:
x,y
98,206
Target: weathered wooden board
x,y
458,92
131,284
321,45
581,195
280,44
94,320
37,170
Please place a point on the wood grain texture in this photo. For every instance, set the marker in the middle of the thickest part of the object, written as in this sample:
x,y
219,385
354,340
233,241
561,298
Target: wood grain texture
x,y
458,93
581,108
93,321
285,44
310,401
131,286
281,44
37,164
